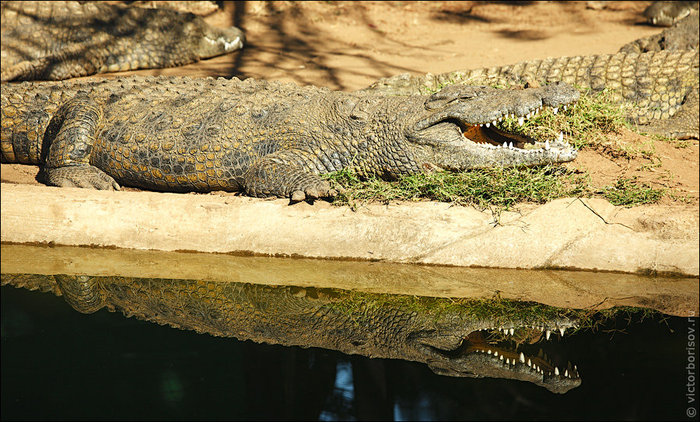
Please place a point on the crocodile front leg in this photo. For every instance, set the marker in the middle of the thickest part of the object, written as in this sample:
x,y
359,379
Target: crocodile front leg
x,y
68,159
287,174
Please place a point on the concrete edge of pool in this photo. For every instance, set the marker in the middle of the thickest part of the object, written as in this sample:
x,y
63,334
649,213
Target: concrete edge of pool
x,y
582,234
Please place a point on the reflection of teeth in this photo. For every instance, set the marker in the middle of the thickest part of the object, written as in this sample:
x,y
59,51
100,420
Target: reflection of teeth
x,y
560,137
495,353
489,352
555,110
561,330
521,120
549,333
501,357
511,330
488,125
546,145
505,145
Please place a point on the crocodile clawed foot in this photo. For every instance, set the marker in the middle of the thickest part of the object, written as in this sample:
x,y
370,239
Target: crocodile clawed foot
x,y
321,190
82,176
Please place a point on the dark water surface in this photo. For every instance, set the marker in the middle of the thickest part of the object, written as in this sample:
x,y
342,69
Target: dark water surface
x,y
60,364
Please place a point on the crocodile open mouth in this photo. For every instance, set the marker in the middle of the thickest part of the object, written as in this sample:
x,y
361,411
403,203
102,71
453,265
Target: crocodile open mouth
x,y
495,135
521,347
526,353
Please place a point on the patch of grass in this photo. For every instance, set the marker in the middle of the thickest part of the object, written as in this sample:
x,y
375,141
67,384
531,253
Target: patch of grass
x,y
494,188
629,192
360,307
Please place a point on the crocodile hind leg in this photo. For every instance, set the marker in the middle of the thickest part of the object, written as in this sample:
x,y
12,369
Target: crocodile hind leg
x,y
82,292
68,160
287,174
682,125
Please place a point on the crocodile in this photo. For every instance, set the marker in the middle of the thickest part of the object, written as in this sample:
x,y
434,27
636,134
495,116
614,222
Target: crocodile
x,y
453,337
264,138
683,35
666,13
58,40
658,89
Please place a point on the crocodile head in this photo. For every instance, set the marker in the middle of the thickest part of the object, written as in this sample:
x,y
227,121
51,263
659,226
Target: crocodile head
x,y
666,13
501,351
459,130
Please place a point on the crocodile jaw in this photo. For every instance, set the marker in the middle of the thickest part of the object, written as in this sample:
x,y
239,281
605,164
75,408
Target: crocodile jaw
x,y
481,354
461,130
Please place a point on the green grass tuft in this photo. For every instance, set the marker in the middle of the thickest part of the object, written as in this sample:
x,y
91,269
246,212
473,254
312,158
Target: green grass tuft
x,y
628,192
499,188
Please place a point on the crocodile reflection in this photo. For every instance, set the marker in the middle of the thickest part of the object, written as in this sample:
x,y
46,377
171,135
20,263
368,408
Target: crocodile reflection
x,y
453,337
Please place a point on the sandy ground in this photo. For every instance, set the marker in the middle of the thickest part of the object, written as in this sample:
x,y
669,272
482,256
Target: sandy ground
x,y
348,45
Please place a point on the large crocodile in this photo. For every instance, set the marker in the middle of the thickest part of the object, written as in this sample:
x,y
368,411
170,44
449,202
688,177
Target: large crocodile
x,y
454,338
266,138
56,40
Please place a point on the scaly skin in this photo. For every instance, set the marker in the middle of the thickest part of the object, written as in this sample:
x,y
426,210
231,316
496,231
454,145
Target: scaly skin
x,y
660,88
59,40
268,139
433,331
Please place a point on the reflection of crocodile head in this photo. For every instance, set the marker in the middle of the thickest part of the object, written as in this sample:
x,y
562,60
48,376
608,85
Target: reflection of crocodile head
x,y
454,337
512,352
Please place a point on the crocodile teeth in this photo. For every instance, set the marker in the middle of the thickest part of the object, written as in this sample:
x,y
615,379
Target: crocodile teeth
x,y
489,352
501,357
529,362
549,333
546,145
560,137
561,330
566,373
488,125
505,145
508,361
555,110
522,357
510,145
511,330
556,371
521,120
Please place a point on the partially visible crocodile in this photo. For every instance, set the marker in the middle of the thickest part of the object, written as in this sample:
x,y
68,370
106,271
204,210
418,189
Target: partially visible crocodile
x,y
682,36
659,88
453,338
266,138
666,13
56,40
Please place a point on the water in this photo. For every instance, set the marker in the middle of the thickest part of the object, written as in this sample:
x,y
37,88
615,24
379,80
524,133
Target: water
x,y
61,364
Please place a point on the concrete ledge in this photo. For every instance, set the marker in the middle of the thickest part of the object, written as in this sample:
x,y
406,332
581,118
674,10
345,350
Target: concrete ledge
x,y
571,233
